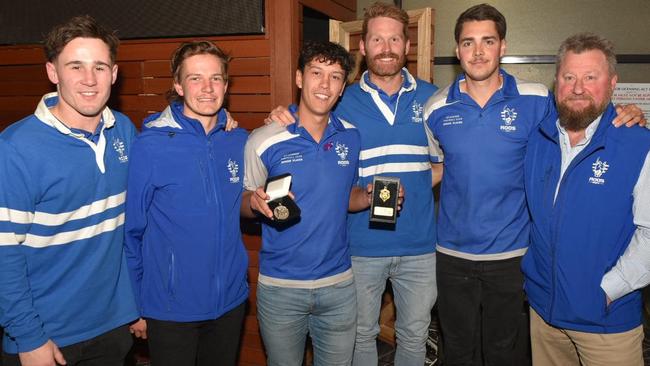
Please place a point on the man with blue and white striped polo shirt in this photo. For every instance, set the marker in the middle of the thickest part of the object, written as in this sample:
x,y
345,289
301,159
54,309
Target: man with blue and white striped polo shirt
x,y
65,295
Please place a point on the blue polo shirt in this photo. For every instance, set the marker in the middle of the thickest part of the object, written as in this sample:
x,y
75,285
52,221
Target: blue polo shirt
x,y
483,213
323,173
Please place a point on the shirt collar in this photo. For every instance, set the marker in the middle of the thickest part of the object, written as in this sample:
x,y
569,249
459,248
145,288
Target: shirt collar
x,y
44,114
408,82
333,122
508,87
589,131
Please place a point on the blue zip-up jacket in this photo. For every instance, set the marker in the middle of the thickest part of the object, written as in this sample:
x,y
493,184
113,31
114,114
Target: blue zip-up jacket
x,y
62,269
579,238
183,244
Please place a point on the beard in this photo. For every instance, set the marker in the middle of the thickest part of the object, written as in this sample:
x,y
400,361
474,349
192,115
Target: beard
x,y
380,69
578,120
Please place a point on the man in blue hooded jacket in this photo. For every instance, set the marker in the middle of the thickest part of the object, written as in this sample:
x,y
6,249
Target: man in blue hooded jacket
x,y
183,245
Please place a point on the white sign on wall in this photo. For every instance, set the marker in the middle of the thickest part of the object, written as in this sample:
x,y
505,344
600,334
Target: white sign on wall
x,y
637,93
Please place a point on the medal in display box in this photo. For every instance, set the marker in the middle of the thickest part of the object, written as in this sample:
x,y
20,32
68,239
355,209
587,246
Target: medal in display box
x,y
385,191
283,207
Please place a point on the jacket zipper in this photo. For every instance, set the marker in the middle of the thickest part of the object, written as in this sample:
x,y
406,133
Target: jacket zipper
x,y
214,188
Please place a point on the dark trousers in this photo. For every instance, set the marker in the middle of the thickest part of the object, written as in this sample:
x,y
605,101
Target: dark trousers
x,y
480,306
201,343
108,349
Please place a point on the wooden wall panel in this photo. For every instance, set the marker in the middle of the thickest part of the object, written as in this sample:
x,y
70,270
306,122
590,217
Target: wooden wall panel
x,y
143,78
25,87
21,55
343,10
22,72
19,103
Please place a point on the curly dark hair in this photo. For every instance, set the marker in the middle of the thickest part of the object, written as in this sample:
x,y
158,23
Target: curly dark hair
x,y
83,26
327,52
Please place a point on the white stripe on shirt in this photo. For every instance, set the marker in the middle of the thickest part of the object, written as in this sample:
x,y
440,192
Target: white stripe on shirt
x,y
16,216
276,138
48,219
393,150
11,239
37,241
394,168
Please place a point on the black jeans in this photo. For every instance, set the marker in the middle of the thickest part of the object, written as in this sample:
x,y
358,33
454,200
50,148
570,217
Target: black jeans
x,y
480,306
201,343
108,349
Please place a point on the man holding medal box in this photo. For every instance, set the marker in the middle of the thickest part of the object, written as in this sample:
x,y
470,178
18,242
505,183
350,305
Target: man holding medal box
x,y
305,283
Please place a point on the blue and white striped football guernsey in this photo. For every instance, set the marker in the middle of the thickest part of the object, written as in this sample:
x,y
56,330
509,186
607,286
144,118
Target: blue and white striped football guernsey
x,y
393,143
63,274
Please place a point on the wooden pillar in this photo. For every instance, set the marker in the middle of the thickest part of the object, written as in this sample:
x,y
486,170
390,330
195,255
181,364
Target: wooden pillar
x,y
283,30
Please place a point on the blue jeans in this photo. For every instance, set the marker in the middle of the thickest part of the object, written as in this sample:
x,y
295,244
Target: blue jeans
x,y
414,288
328,314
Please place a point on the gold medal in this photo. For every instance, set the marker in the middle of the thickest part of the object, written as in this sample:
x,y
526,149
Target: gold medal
x,y
281,212
384,194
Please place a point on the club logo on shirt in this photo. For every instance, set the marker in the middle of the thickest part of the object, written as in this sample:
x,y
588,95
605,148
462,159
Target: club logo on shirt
x,y
508,115
417,112
342,152
599,168
118,145
233,168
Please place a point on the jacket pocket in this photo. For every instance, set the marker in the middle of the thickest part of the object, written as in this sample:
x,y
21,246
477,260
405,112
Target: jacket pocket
x,y
171,273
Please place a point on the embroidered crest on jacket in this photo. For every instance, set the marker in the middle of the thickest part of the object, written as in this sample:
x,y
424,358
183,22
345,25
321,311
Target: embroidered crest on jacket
x,y
599,168
233,168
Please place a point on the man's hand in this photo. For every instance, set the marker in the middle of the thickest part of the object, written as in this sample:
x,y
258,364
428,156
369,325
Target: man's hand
x,y
258,202
400,197
231,124
139,329
629,115
437,170
45,355
607,300
360,198
280,114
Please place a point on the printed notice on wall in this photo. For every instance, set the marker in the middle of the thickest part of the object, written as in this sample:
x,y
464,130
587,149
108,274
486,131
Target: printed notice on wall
x,y
637,93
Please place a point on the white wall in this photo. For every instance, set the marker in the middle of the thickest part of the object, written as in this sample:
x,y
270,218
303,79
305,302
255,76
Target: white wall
x,y
537,27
